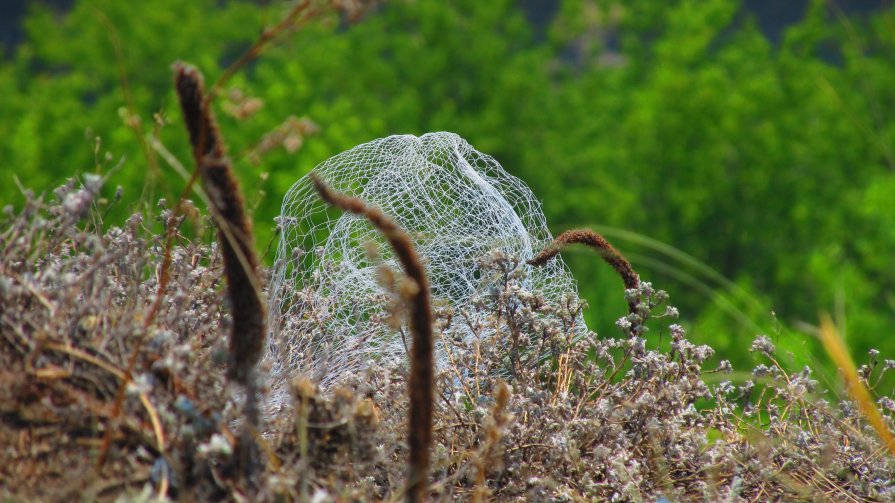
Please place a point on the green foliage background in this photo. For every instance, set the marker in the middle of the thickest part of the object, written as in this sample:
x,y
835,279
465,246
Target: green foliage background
x,y
771,165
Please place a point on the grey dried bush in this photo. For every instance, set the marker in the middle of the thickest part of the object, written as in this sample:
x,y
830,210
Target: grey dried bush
x,y
612,418
74,299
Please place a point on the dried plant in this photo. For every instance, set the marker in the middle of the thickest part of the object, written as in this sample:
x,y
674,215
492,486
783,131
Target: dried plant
x,y
609,418
237,247
235,230
422,360
76,303
599,244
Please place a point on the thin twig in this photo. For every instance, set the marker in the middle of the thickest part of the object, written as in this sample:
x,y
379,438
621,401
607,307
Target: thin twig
x,y
268,35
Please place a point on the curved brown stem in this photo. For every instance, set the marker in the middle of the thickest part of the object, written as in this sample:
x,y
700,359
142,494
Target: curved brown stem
x,y
599,244
422,360
237,247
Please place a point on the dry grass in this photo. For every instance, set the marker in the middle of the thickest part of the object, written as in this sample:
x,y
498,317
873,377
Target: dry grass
x,y
597,418
829,336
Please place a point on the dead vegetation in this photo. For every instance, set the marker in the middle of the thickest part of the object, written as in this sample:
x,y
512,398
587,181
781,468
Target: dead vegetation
x,y
422,360
605,418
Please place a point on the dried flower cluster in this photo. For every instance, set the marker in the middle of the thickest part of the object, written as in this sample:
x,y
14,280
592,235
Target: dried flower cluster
x,y
74,299
537,410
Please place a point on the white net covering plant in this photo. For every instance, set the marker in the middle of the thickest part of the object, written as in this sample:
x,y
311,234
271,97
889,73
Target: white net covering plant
x,y
456,203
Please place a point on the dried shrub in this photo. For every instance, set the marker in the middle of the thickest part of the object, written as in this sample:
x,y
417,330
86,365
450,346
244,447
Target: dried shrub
x,y
610,418
75,300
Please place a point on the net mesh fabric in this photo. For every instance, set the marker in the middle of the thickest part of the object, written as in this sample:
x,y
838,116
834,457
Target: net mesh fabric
x,y
457,205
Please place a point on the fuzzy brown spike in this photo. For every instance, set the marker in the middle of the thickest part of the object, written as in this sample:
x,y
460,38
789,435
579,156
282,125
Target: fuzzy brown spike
x,y
599,244
422,359
204,135
240,262
235,231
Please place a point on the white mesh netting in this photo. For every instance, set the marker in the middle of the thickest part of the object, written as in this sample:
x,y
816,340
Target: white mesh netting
x,y
456,203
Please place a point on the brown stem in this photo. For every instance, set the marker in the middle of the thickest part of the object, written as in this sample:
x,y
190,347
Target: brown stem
x,y
599,244
267,36
422,364
235,230
240,263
